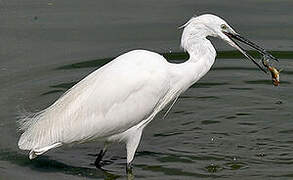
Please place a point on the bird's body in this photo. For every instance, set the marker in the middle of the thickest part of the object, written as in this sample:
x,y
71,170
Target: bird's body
x,y
116,102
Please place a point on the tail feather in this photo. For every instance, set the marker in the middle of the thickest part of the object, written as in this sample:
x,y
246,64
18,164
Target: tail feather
x,y
27,119
36,135
36,152
31,133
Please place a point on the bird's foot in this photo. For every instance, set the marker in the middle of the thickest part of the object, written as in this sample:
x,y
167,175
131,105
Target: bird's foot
x,y
129,168
98,162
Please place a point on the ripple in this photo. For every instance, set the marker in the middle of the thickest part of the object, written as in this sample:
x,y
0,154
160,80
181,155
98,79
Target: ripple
x,y
86,64
62,87
242,89
207,122
242,114
288,131
208,97
213,168
53,92
235,166
247,124
167,134
174,171
264,82
208,84
174,159
230,117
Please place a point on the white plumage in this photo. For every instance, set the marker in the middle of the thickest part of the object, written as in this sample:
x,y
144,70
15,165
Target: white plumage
x,y
115,102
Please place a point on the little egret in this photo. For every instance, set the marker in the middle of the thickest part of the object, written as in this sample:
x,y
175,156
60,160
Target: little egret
x,y
117,101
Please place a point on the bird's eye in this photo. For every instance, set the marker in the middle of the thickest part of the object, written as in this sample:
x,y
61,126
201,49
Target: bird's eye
x,y
223,26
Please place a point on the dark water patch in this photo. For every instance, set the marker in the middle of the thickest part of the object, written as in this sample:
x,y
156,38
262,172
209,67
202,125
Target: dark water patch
x,y
284,71
252,132
243,114
44,164
86,64
173,159
179,151
265,139
262,82
230,117
236,54
282,176
247,124
233,54
285,158
175,171
176,56
187,123
242,89
185,155
235,165
284,154
288,131
178,112
188,112
60,88
192,129
148,153
265,82
53,92
207,84
235,68
207,122
64,85
207,157
207,97
266,109
278,162
167,134
187,97
221,133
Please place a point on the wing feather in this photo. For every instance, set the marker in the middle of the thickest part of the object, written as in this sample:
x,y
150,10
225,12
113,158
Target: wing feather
x,y
108,101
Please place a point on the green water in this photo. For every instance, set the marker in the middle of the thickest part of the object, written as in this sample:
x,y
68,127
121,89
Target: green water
x,y
232,124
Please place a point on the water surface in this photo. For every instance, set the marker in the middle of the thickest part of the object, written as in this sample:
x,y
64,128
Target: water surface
x,y
231,124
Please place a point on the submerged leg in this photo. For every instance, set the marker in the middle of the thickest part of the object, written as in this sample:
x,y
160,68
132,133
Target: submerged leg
x,y
98,161
131,146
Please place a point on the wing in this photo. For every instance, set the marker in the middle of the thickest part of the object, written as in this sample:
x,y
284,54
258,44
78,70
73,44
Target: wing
x,y
108,101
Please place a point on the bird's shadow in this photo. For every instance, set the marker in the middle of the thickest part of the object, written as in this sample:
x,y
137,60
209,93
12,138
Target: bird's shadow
x,y
45,164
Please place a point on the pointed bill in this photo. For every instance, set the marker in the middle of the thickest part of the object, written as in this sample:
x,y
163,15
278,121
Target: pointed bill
x,y
234,36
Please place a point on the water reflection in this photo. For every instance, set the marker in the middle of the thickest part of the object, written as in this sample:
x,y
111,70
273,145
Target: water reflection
x,y
45,164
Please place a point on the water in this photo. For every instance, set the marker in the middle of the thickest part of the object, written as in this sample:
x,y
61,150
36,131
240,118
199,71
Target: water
x,y
232,124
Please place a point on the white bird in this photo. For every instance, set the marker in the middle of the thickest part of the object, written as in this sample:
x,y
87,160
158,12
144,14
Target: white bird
x,y
117,101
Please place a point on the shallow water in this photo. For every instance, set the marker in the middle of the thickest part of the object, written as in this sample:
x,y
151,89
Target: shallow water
x,y
231,124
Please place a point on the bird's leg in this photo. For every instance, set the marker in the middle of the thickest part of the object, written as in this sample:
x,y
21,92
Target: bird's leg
x,y
129,168
98,161
131,146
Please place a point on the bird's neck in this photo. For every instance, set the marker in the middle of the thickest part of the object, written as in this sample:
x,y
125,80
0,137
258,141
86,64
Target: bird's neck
x,y
201,58
201,51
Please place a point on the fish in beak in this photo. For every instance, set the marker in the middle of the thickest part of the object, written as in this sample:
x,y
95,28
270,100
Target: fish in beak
x,y
234,36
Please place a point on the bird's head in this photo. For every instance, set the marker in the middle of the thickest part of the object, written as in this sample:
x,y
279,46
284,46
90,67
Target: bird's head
x,y
212,25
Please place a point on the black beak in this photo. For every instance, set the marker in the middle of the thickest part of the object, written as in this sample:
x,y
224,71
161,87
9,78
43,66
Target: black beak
x,y
262,51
